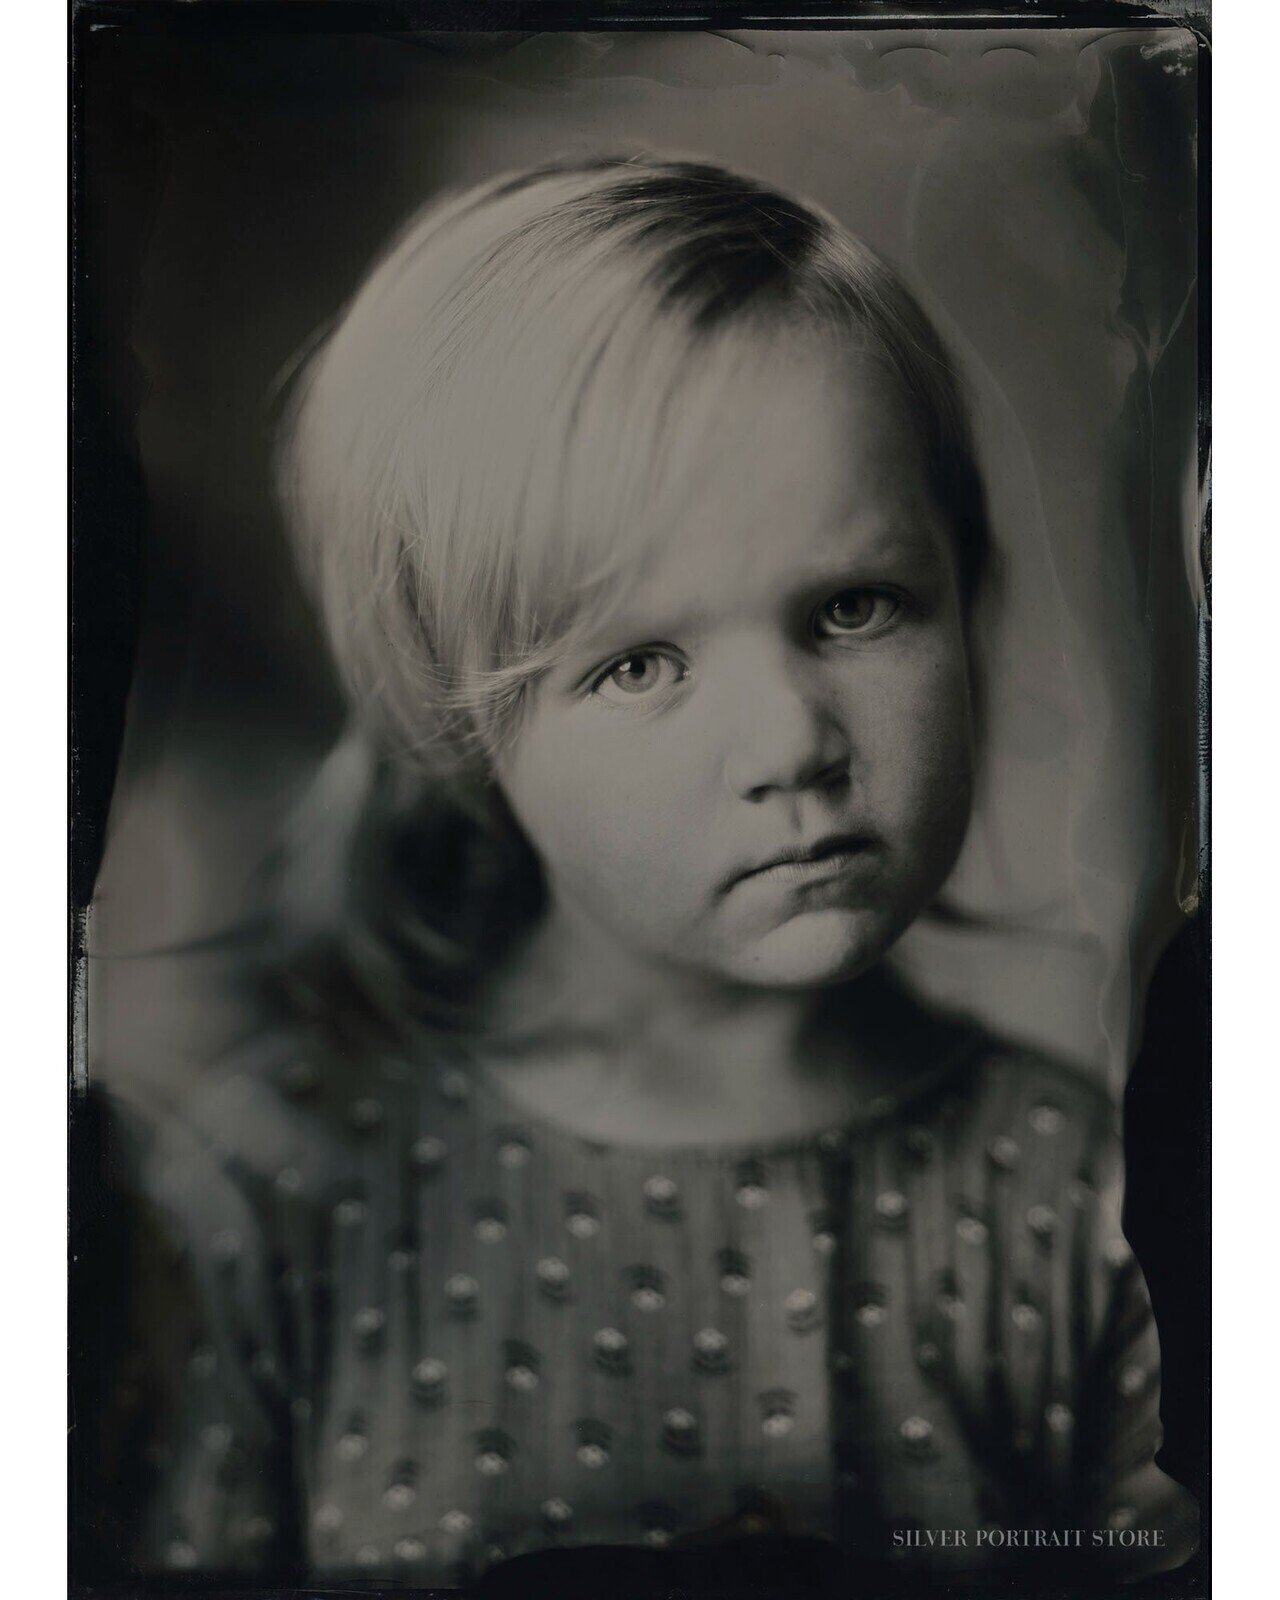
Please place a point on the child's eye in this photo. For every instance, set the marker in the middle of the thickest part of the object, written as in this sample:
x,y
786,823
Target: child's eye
x,y
856,611
634,677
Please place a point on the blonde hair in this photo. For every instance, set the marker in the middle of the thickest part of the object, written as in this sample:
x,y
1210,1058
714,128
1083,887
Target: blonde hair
x,y
471,453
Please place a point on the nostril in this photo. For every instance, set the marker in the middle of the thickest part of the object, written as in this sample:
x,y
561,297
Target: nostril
x,y
790,746
833,774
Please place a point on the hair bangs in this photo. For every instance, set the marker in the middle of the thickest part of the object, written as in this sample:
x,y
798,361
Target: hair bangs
x,y
485,455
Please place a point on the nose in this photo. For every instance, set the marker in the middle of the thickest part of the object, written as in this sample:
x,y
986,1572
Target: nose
x,y
784,738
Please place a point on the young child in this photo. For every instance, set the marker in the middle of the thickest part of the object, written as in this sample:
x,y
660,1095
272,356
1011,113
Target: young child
x,y
604,1191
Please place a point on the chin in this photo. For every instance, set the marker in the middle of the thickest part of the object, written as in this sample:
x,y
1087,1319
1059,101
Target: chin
x,y
815,950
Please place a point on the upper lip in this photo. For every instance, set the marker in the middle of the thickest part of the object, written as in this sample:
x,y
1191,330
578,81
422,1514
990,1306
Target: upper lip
x,y
829,845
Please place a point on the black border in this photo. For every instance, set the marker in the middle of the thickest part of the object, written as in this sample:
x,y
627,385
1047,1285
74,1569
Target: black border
x,y
110,568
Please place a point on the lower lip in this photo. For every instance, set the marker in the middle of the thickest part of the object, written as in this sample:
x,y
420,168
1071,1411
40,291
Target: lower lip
x,y
826,869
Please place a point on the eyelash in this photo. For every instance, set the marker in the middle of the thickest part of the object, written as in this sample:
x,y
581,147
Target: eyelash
x,y
889,596
598,679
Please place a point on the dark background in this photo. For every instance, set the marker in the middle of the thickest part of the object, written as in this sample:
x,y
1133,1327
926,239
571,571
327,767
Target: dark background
x,y
231,183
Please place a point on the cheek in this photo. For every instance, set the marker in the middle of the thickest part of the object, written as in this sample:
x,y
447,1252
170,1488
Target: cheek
x,y
601,805
923,758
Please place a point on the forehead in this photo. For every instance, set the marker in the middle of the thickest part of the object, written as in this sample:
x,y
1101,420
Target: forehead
x,y
788,469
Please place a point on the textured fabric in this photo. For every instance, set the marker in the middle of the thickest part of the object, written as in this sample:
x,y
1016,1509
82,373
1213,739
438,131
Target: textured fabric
x,y
392,1328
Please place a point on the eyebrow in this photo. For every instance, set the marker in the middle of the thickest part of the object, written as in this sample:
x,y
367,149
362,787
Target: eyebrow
x,y
625,629
890,547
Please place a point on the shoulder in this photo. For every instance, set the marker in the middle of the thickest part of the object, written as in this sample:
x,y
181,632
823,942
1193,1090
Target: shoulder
x,y
1034,1098
284,1119
1026,1130
210,1145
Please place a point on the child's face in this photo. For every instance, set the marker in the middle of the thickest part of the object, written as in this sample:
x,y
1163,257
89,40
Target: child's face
x,y
790,675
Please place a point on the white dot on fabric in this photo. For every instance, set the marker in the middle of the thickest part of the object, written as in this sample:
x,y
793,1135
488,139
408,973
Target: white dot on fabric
x,y
681,1431
429,1151
921,1144
328,1518
557,1510
398,1496
226,1244
367,1555
461,1290
1058,1417
1047,1119
593,1455
915,1430
299,1078
971,1230
1116,1252
1121,1518
410,1549
1025,1317
1131,1380
711,1352
395,1069
352,1447
1042,1220
779,1413
513,1154
365,1114
204,1361
455,1522
803,1311
181,1555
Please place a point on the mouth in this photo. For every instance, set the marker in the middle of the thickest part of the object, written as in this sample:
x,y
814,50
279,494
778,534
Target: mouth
x,y
815,863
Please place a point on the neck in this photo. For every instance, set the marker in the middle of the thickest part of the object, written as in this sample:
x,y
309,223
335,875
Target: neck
x,y
572,974
644,1051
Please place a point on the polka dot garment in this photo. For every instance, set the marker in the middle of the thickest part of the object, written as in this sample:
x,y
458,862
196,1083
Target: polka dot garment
x,y
419,1334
